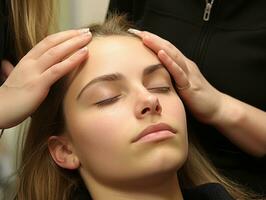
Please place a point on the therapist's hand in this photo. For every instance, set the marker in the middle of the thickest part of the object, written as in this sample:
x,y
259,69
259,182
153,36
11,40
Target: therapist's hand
x,y
197,93
29,82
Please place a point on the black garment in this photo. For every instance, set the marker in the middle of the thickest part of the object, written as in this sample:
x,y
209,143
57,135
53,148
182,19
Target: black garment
x,y
230,50
210,191
6,34
3,25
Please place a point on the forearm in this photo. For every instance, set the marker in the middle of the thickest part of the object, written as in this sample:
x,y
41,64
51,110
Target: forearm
x,y
243,124
6,112
12,108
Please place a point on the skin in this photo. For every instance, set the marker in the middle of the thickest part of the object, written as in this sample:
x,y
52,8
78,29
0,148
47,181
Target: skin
x,y
243,124
98,139
31,79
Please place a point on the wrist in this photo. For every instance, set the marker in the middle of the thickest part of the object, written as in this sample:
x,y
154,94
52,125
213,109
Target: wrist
x,y
212,108
229,113
219,109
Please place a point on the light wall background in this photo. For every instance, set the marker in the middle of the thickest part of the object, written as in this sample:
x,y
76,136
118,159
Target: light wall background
x,y
72,14
80,13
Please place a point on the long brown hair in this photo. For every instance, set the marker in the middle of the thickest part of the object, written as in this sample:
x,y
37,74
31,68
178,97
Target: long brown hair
x,y
39,178
29,22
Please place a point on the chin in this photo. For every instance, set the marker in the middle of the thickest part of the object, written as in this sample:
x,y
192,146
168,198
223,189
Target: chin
x,y
169,163
164,160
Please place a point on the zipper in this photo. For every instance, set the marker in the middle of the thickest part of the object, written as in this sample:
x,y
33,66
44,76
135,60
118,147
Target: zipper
x,y
207,10
201,47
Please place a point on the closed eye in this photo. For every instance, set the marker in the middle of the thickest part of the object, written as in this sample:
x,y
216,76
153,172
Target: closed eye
x,y
108,101
111,100
165,89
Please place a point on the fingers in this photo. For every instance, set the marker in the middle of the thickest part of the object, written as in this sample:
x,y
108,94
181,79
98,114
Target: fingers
x,y
153,41
53,40
156,44
170,56
57,71
7,68
61,51
175,70
55,59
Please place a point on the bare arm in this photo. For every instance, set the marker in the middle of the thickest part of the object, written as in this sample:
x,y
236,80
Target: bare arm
x,y
243,124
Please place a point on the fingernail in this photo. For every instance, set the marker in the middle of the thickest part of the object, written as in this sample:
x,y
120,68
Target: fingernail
x,y
84,49
87,34
134,31
85,30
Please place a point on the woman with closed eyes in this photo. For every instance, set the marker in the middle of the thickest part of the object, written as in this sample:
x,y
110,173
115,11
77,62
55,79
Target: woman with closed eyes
x,y
116,129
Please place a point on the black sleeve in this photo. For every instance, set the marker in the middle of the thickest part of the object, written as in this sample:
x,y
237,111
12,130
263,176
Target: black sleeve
x,y
133,8
207,191
122,6
7,37
3,26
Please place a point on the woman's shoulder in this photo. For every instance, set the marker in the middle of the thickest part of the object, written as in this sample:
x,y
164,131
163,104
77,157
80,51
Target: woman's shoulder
x,y
209,191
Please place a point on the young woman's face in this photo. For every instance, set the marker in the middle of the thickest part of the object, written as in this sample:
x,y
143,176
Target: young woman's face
x,y
121,91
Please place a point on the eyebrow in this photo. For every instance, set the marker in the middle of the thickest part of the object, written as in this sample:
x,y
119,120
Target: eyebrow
x,y
152,68
117,77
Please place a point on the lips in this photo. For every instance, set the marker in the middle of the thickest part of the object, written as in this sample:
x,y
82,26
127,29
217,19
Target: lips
x,y
153,129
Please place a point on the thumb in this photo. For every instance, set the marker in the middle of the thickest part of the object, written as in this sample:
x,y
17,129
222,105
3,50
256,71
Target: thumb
x,y
6,68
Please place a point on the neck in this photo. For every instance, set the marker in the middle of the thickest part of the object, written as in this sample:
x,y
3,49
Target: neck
x,y
165,187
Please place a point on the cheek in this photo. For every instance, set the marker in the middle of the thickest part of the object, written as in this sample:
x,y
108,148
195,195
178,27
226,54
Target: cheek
x,y
95,132
99,137
174,111
174,108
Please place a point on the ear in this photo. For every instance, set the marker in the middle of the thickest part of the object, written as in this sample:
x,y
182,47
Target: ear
x,y
62,153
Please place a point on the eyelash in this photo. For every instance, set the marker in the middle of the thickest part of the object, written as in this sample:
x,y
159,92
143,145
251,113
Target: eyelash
x,y
165,89
108,101
116,98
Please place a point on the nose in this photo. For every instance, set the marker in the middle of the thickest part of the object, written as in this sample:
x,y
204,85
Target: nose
x,y
147,104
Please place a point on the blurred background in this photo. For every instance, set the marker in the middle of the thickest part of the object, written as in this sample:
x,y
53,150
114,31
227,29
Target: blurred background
x,y
78,13
72,14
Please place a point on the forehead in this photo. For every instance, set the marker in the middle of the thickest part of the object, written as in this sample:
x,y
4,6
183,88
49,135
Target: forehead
x,y
118,53
113,54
